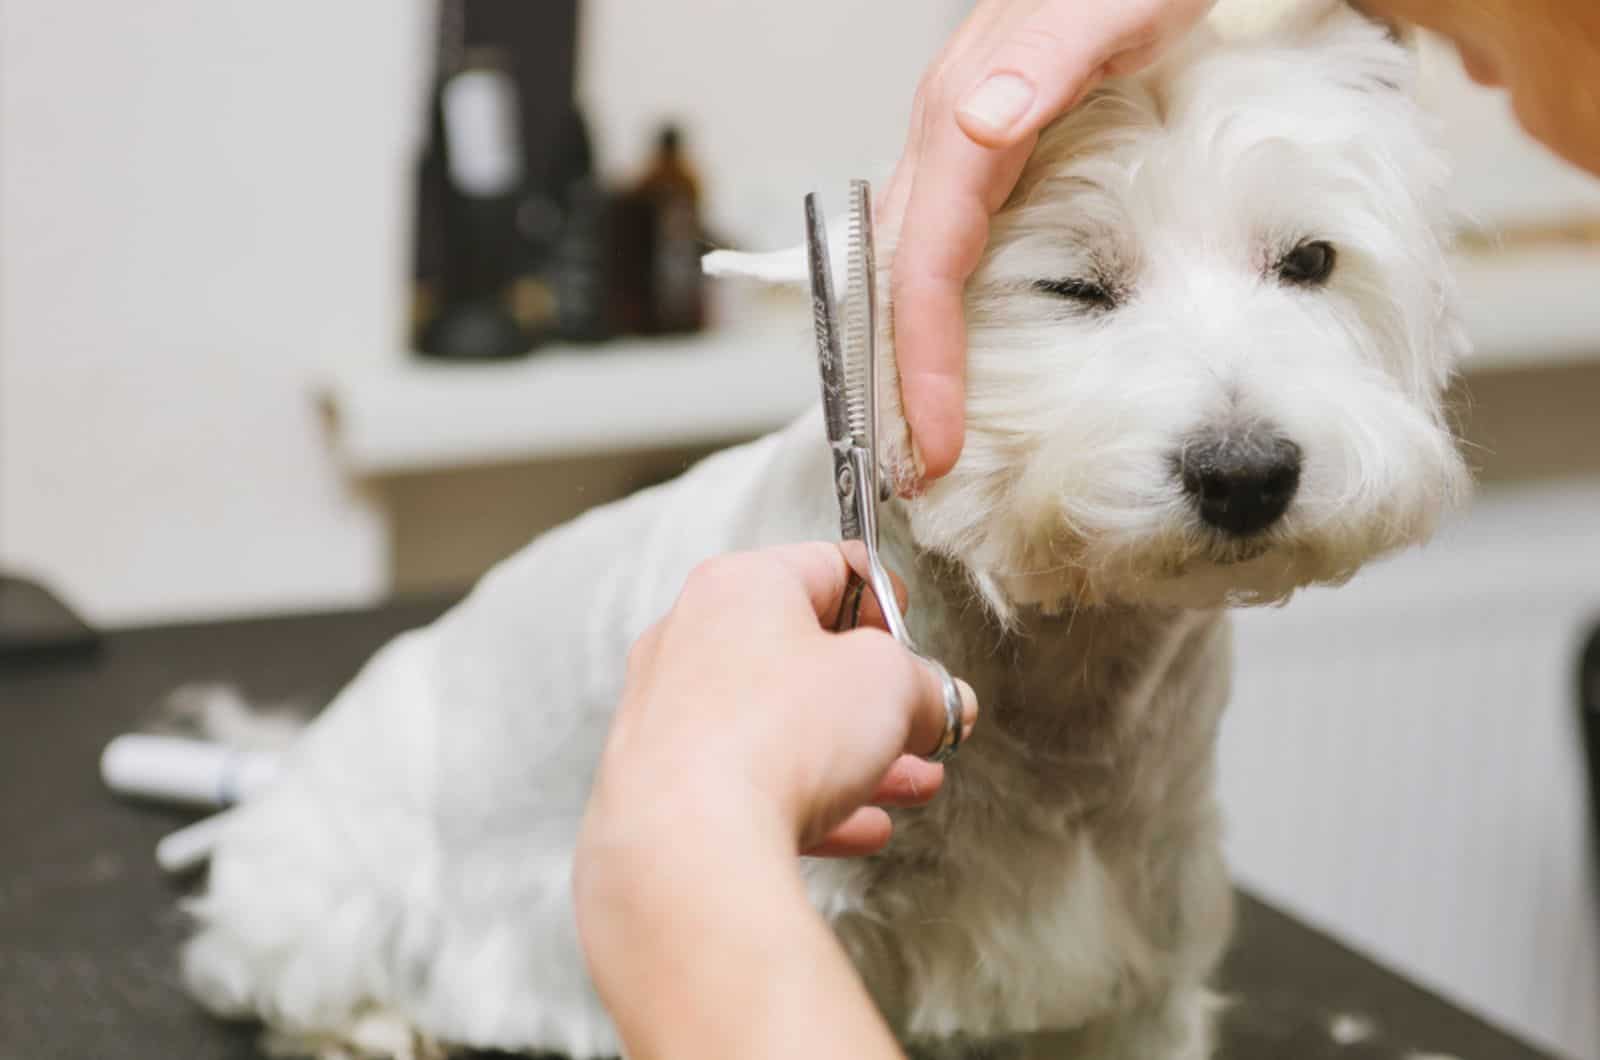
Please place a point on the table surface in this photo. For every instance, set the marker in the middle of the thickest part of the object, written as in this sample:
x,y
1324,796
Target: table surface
x,y
89,927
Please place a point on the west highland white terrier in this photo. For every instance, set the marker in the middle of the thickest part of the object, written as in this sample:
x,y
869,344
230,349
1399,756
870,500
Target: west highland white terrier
x,y
1208,344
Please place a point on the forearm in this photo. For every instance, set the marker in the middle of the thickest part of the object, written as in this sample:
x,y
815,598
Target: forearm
x,y
713,958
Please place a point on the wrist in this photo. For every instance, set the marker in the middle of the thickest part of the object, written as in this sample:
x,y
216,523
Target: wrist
x,y
677,931
646,868
741,969
688,917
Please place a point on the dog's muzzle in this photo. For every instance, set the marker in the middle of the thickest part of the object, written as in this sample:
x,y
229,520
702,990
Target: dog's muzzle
x,y
1242,482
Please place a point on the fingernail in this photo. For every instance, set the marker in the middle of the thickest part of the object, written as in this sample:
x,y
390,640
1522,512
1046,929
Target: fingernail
x,y
969,700
998,103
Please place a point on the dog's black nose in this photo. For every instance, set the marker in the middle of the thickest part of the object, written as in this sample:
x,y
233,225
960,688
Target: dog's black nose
x,y
1242,483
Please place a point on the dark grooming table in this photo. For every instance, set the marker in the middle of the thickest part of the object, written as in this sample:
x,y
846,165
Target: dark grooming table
x,y
89,928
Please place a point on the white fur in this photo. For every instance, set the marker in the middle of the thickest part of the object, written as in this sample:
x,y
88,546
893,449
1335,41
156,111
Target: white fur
x,y
412,865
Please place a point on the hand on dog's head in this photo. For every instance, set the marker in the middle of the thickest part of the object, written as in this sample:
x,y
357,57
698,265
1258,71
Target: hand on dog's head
x,y
1209,339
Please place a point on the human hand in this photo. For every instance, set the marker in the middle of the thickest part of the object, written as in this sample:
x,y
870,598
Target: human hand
x,y
741,709
1012,68
748,733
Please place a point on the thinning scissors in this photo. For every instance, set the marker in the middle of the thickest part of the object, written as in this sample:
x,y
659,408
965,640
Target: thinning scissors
x,y
848,363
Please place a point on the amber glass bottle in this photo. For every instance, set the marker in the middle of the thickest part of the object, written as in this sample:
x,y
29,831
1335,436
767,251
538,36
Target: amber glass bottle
x,y
662,289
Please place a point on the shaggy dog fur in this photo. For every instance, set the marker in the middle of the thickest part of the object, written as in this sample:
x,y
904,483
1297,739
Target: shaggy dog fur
x,y
1226,274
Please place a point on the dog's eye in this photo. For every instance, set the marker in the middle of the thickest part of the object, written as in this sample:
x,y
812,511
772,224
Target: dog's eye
x,y
1308,265
1086,293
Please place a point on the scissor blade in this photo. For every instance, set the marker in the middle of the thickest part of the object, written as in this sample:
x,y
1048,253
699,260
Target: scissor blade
x,y
861,315
825,319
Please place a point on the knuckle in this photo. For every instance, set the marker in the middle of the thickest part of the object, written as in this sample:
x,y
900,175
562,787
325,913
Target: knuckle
x,y
1142,36
897,672
712,576
1040,40
935,81
639,651
940,89
1146,24
874,648
912,677
926,100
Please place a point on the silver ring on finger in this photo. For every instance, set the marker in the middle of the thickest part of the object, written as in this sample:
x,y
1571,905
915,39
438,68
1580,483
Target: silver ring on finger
x,y
950,738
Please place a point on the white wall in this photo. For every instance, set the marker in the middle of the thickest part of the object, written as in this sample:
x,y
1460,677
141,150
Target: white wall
x,y
200,201
785,97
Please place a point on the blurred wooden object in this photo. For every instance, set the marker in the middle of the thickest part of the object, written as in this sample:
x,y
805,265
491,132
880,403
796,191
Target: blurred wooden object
x,y
1583,231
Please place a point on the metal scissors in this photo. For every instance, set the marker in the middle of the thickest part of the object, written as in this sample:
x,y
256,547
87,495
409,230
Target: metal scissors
x,y
847,360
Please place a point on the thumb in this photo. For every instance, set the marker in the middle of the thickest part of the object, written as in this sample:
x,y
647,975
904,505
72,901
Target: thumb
x,y
1052,58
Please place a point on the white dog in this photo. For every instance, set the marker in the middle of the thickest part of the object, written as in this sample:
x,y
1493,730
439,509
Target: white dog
x,y
1208,344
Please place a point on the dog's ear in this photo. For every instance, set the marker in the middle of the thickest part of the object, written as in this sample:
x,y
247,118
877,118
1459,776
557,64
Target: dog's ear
x,y
1253,18
1235,18
1375,53
1395,71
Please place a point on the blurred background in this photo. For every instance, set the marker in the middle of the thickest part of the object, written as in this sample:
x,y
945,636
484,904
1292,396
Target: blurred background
x,y
305,305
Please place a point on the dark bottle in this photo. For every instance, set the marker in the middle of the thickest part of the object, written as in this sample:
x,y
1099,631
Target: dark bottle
x,y
678,288
577,256
661,290
580,272
485,303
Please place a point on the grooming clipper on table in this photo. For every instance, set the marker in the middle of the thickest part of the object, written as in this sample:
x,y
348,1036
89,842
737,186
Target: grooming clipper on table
x,y
1208,345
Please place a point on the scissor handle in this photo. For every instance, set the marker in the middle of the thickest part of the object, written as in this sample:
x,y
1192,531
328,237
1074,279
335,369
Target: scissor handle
x,y
866,504
850,606
850,617
864,484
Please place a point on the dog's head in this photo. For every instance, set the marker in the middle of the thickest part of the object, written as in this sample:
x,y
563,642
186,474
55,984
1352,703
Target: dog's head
x,y
1210,335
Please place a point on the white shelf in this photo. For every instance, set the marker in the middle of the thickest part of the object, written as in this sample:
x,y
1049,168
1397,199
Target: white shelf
x,y
409,414
1523,309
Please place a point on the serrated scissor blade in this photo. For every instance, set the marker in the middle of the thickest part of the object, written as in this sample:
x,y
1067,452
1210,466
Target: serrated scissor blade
x,y
860,321
825,320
